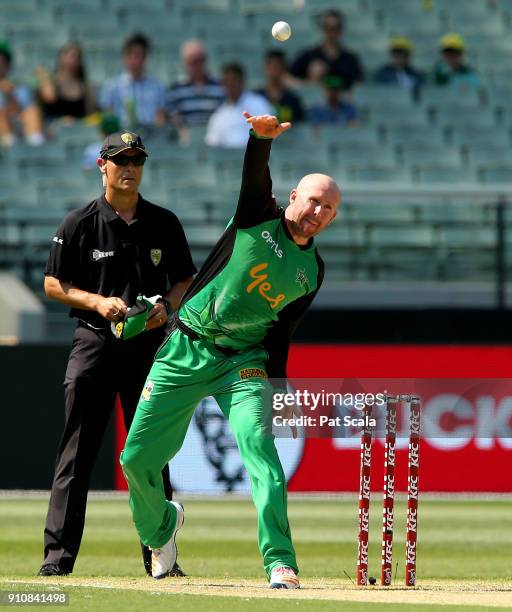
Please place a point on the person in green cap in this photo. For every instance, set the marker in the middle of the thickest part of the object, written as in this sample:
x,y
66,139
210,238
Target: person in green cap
x,y
336,110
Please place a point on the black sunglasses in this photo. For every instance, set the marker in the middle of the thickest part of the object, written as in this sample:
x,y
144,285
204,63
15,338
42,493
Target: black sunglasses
x,y
124,160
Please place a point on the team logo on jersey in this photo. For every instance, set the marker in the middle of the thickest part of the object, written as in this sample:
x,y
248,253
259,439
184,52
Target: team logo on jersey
x,y
156,256
127,138
252,373
263,286
301,278
148,389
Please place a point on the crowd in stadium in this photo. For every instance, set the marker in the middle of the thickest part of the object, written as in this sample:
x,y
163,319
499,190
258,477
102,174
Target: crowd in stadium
x,y
135,98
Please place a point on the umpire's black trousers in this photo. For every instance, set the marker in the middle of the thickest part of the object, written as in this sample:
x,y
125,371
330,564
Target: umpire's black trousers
x,y
99,367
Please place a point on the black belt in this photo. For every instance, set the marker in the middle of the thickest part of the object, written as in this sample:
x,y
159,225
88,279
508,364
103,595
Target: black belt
x,y
229,352
86,324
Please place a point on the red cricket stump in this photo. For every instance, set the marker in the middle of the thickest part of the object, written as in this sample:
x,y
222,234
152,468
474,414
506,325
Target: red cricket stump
x,y
388,503
412,492
364,499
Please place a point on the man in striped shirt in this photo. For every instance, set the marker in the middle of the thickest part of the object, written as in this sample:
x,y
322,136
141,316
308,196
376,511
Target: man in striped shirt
x,y
192,100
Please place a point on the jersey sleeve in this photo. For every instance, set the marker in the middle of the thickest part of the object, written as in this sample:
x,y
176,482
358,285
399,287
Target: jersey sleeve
x,y
64,258
256,202
180,264
277,340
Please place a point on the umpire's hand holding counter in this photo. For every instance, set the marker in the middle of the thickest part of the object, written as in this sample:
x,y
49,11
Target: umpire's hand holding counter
x,y
112,309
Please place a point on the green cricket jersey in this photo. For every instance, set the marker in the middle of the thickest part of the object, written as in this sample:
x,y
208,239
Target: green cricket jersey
x,y
257,282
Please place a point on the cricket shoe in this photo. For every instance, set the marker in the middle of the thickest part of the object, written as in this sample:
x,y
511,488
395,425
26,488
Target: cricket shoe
x,y
52,569
164,558
284,578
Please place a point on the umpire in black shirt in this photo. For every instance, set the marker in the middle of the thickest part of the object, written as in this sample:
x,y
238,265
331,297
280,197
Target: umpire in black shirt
x,y
102,257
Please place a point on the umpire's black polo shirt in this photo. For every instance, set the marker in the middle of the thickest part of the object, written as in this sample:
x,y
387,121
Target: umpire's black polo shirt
x,y
95,250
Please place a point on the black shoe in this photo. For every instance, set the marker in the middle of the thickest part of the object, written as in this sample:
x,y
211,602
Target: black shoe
x,y
52,569
177,572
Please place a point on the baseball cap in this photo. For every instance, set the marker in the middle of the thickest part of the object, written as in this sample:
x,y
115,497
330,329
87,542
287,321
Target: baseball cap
x,y
121,141
452,42
401,43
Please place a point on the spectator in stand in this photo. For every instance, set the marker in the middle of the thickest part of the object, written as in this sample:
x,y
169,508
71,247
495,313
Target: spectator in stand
x,y
336,110
399,70
66,94
227,126
330,57
136,98
18,111
193,100
287,105
452,70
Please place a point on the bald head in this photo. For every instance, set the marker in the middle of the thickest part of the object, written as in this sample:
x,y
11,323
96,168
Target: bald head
x,y
192,49
313,205
194,56
326,184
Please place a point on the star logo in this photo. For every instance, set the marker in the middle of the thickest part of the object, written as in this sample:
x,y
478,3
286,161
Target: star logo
x,y
301,278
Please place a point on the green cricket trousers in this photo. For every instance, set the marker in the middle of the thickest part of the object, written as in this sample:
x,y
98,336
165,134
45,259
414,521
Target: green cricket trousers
x,y
184,372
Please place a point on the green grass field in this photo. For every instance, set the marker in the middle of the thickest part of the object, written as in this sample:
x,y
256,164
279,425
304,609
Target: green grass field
x,y
464,556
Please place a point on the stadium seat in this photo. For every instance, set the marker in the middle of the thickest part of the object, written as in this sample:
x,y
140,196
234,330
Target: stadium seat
x,y
489,154
477,135
68,14
154,21
358,136
403,264
496,173
343,153
212,24
452,116
444,214
378,173
467,266
468,23
133,5
401,236
349,7
439,98
429,174
378,214
182,173
387,116
203,5
382,96
284,7
479,8
13,16
342,235
414,154
397,22
470,237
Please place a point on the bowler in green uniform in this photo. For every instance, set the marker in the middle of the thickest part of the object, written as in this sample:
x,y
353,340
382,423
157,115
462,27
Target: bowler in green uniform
x,y
230,335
